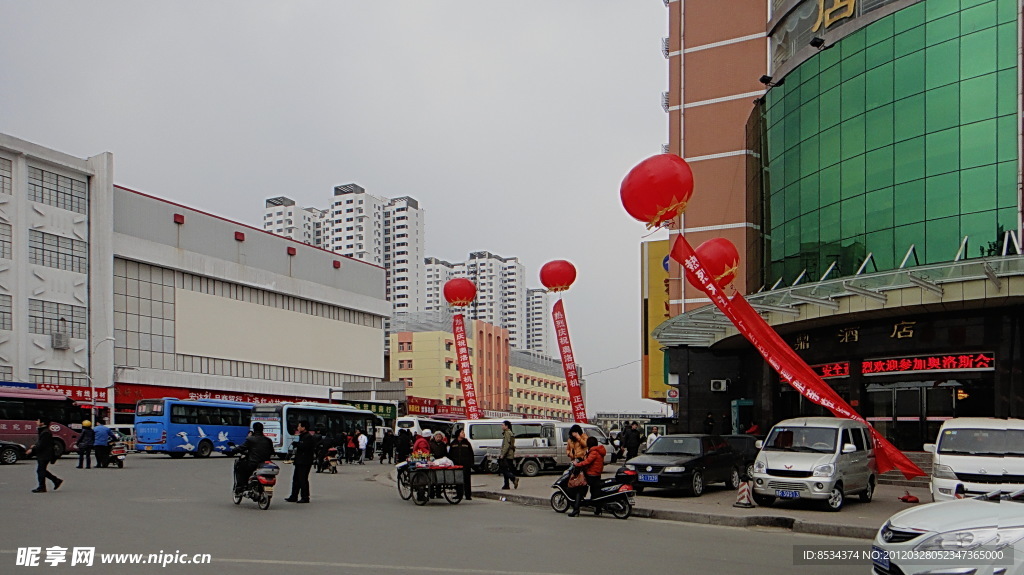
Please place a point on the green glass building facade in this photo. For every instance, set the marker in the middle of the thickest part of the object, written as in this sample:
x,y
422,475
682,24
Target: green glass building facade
x,y
903,133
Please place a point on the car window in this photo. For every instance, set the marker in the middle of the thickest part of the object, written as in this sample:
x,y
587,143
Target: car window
x,y
858,439
485,431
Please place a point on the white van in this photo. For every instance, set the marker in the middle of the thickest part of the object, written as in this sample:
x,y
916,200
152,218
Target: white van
x,y
976,455
416,424
484,433
819,458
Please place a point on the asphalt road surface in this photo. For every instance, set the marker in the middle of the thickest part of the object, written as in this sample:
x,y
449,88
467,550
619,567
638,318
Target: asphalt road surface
x,y
356,524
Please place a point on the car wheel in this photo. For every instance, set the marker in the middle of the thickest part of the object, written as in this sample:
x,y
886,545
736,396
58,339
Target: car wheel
x,y
8,455
697,484
530,468
835,498
734,480
750,471
764,500
869,492
204,450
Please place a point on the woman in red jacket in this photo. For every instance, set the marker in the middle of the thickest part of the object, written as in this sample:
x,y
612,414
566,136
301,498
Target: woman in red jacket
x,y
592,467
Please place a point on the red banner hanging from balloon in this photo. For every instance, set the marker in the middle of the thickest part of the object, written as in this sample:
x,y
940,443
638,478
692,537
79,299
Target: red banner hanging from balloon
x,y
572,380
791,367
465,369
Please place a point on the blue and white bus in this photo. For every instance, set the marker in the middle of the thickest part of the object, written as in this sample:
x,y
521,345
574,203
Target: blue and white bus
x,y
197,426
335,420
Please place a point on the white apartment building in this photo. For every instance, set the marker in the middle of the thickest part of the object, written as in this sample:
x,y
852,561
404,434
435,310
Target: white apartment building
x,y
437,273
538,321
282,217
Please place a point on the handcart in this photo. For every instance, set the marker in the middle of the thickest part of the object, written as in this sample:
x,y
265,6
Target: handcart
x,y
422,483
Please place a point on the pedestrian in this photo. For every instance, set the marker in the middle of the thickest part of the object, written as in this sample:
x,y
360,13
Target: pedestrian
x,y
652,437
323,443
101,443
438,445
709,424
303,462
85,441
422,442
576,445
507,456
460,451
350,448
403,445
632,441
387,446
361,442
592,467
43,450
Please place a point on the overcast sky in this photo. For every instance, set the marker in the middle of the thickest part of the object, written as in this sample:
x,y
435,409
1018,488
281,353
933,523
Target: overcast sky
x,y
512,123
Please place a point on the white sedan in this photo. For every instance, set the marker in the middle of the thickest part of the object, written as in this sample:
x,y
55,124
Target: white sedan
x,y
979,536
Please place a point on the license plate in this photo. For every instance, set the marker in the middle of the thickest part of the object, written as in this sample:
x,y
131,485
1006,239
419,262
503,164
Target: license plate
x,y
631,498
787,494
648,478
268,489
149,448
879,557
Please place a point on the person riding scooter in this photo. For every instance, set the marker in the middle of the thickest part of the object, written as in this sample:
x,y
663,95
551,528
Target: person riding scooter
x,y
257,448
592,467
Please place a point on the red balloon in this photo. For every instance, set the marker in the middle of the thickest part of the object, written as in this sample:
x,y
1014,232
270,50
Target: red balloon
x,y
557,275
720,259
657,189
459,292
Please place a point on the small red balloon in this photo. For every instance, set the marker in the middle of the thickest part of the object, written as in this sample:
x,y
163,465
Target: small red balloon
x,y
557,275
720,259
459,292
657,189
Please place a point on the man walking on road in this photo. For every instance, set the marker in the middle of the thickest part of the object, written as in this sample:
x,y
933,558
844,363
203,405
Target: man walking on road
x,y
631,439
303,462
506,459
101,443
361,443
43,450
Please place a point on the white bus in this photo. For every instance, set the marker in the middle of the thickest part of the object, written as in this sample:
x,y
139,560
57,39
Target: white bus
x,y
416,424
281,419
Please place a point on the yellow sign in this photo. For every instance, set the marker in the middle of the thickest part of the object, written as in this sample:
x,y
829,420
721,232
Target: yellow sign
x,y
655,305
828,16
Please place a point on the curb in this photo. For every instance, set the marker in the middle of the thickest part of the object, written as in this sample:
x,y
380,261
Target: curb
x,y
796,525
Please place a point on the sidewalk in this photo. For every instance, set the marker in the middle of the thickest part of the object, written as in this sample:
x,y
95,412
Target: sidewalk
x,y
857,520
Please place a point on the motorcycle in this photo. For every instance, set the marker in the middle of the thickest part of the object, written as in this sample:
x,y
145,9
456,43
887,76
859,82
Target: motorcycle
x,y
260,487
616,496
118,451
332,459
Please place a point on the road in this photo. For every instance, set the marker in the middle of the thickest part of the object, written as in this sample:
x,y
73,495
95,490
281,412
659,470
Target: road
x,y
355,524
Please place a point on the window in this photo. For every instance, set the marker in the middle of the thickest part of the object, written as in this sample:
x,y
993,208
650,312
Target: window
x,y
57,377
58,191
46,317
58,252
5,241
5,176
6,312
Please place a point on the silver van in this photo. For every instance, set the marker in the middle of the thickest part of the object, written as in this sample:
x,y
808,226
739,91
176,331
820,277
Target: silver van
x,y
819,458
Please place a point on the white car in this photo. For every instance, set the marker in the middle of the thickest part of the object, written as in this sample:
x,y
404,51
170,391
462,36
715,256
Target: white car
x,y
959,537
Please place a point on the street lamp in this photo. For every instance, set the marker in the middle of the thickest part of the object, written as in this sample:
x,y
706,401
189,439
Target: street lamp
x,y
92,386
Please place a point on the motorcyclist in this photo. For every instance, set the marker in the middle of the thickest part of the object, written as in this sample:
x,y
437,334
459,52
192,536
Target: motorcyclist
x,y
257,449
592,467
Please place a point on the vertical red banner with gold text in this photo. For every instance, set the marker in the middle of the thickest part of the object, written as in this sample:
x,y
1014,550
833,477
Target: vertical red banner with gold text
x,y
791,367
465,369
579,411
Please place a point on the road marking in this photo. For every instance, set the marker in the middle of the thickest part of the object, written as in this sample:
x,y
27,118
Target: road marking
x,y
407,568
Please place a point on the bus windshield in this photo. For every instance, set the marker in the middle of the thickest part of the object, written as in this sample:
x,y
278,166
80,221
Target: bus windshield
x,y
150,407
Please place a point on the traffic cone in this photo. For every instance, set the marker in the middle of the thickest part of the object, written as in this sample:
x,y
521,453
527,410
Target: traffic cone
x,y
743,496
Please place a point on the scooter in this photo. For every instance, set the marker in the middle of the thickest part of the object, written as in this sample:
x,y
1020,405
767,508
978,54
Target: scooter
x,y
616,496
118,451
260,487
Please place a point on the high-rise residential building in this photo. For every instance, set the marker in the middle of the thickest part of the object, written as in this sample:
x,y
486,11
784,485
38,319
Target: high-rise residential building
x,y
282,217
866,166
537,320
438,272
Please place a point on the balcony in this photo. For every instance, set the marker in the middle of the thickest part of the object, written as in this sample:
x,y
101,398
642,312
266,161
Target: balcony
x,y
664,101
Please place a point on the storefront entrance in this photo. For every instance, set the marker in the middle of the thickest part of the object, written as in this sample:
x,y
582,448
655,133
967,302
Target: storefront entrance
x,y
909,413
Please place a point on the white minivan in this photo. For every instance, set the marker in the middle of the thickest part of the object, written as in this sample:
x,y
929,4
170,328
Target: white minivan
x,y
485,433
976,455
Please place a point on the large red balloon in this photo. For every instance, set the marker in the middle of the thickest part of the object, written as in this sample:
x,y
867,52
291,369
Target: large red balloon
x,y
557,275
459,291
657,189
720,259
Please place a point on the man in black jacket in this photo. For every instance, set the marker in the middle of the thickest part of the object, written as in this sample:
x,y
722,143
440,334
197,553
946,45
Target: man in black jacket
x,y
403,445
257,449
631,441
43,450
303,462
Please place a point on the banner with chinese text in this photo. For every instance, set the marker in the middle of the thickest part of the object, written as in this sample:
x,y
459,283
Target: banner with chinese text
x,y
791,367
572,380
465,369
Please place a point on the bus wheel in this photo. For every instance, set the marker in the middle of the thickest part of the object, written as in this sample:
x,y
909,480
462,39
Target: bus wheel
x,y
204,450
58,449
176,454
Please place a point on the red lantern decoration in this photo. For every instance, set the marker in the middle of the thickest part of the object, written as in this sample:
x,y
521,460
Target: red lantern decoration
x,y
720,259
459,292
557,275
657,189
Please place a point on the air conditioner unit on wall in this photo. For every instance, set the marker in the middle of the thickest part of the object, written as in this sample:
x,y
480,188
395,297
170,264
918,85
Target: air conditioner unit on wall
x,y
60,340
719,385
